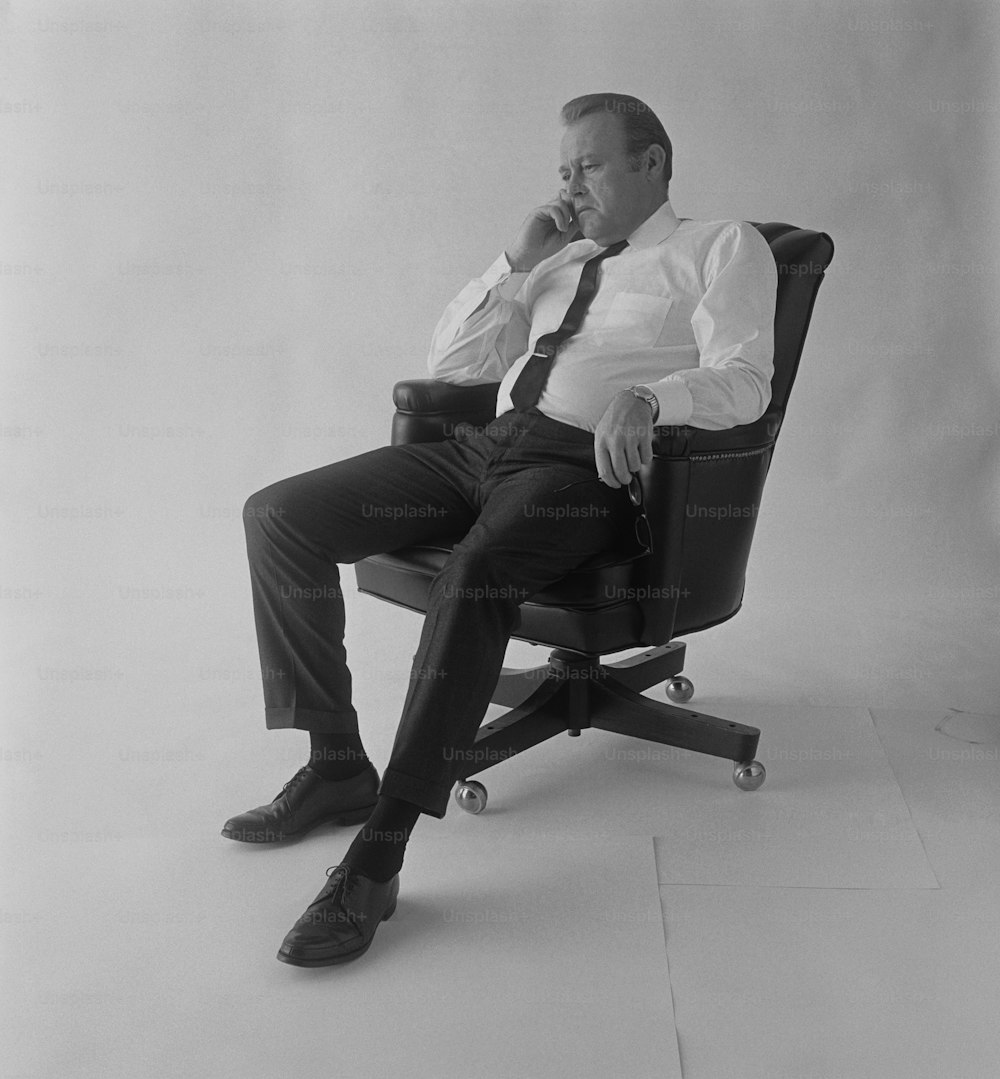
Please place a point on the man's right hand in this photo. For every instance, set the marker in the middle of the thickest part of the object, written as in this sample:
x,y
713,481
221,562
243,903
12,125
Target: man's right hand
x,y
545,232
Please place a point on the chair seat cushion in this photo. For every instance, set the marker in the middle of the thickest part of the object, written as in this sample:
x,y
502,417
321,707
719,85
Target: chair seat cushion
x,y
589,610
588,587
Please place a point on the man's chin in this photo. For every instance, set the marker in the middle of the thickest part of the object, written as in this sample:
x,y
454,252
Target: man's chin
x,y
592,231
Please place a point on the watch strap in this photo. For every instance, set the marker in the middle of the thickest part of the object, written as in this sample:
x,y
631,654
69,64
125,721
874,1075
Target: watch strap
x,y
644,393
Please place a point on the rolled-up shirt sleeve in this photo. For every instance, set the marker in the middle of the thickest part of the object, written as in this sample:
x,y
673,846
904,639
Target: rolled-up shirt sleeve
x,y
483,330
733,326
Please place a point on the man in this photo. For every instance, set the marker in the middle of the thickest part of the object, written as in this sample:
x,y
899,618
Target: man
x,y
606,314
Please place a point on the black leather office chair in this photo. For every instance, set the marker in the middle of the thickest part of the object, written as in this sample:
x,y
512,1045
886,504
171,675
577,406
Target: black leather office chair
x,y
702,491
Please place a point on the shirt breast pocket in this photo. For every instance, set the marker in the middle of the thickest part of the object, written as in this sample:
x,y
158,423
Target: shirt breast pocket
x,y
636,318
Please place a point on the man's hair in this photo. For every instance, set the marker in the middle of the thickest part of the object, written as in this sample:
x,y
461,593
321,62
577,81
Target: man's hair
x,y
642,127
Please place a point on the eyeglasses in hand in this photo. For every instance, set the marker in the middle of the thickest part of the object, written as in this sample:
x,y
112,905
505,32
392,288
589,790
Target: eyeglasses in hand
x,y
643,533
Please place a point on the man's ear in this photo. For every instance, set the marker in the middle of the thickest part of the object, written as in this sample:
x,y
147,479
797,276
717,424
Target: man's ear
x,y
656,158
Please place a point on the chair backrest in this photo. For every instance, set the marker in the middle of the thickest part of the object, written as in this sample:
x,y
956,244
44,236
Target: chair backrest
x,y
703,488
802,257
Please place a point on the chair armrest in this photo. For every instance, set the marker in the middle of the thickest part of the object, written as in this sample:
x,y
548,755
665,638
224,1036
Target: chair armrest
x,y
684,441
702,492
444,401
431,396
427,409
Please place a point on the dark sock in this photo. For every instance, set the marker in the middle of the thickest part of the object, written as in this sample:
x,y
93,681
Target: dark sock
x,y
336,756
377,850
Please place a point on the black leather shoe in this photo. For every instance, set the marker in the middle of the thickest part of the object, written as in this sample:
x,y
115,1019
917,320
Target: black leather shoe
x,y
340,923
306,801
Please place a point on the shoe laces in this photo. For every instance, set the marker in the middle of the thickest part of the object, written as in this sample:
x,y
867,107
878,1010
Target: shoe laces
x,y
294,781
336,881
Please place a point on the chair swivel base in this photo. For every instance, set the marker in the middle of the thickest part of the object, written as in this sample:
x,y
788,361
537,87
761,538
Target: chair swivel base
x,y
574,690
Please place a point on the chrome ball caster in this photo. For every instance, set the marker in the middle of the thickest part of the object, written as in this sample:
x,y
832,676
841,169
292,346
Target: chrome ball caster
x,y
470,796
680,689
749,775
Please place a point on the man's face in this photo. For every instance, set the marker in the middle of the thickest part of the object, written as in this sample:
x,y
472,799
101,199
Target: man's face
x,y
609,200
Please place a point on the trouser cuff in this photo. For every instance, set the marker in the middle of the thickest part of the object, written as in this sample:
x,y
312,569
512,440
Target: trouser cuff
x,y
309,719
430,797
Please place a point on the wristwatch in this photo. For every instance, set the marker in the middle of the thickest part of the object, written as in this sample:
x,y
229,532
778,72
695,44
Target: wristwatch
x,y
644,393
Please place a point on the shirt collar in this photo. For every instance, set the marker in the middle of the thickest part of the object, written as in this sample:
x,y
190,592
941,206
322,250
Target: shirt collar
x,y
655,229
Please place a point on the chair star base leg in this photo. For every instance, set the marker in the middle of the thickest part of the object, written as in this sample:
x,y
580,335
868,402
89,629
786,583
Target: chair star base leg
x,y
577,691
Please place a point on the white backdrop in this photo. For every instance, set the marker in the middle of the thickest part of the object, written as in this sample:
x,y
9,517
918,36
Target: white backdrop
x,y
228,229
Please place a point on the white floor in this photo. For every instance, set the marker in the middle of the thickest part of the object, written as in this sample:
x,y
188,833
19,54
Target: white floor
x,y
619,909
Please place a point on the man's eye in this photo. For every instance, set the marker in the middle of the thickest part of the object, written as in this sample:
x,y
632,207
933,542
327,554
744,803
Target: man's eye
x,y
589,168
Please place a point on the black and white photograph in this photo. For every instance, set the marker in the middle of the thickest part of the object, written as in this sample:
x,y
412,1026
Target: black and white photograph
x,y
500,570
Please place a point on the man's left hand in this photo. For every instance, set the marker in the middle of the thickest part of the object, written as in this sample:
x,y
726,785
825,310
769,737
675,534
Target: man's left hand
x,y
623,439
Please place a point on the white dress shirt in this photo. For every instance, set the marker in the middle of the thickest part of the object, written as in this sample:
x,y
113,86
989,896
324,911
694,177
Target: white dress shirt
x,y
686,309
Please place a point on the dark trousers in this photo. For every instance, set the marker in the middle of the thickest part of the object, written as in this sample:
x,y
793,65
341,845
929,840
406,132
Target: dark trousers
x,y
504,488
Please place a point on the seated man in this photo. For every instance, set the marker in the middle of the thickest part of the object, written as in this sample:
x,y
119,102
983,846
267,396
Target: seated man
x,y
607,314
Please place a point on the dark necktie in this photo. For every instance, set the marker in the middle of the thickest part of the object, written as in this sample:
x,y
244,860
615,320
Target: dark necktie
x,y
528,385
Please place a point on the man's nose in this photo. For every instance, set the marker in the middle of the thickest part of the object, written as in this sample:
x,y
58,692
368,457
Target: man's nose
x,y
575,185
